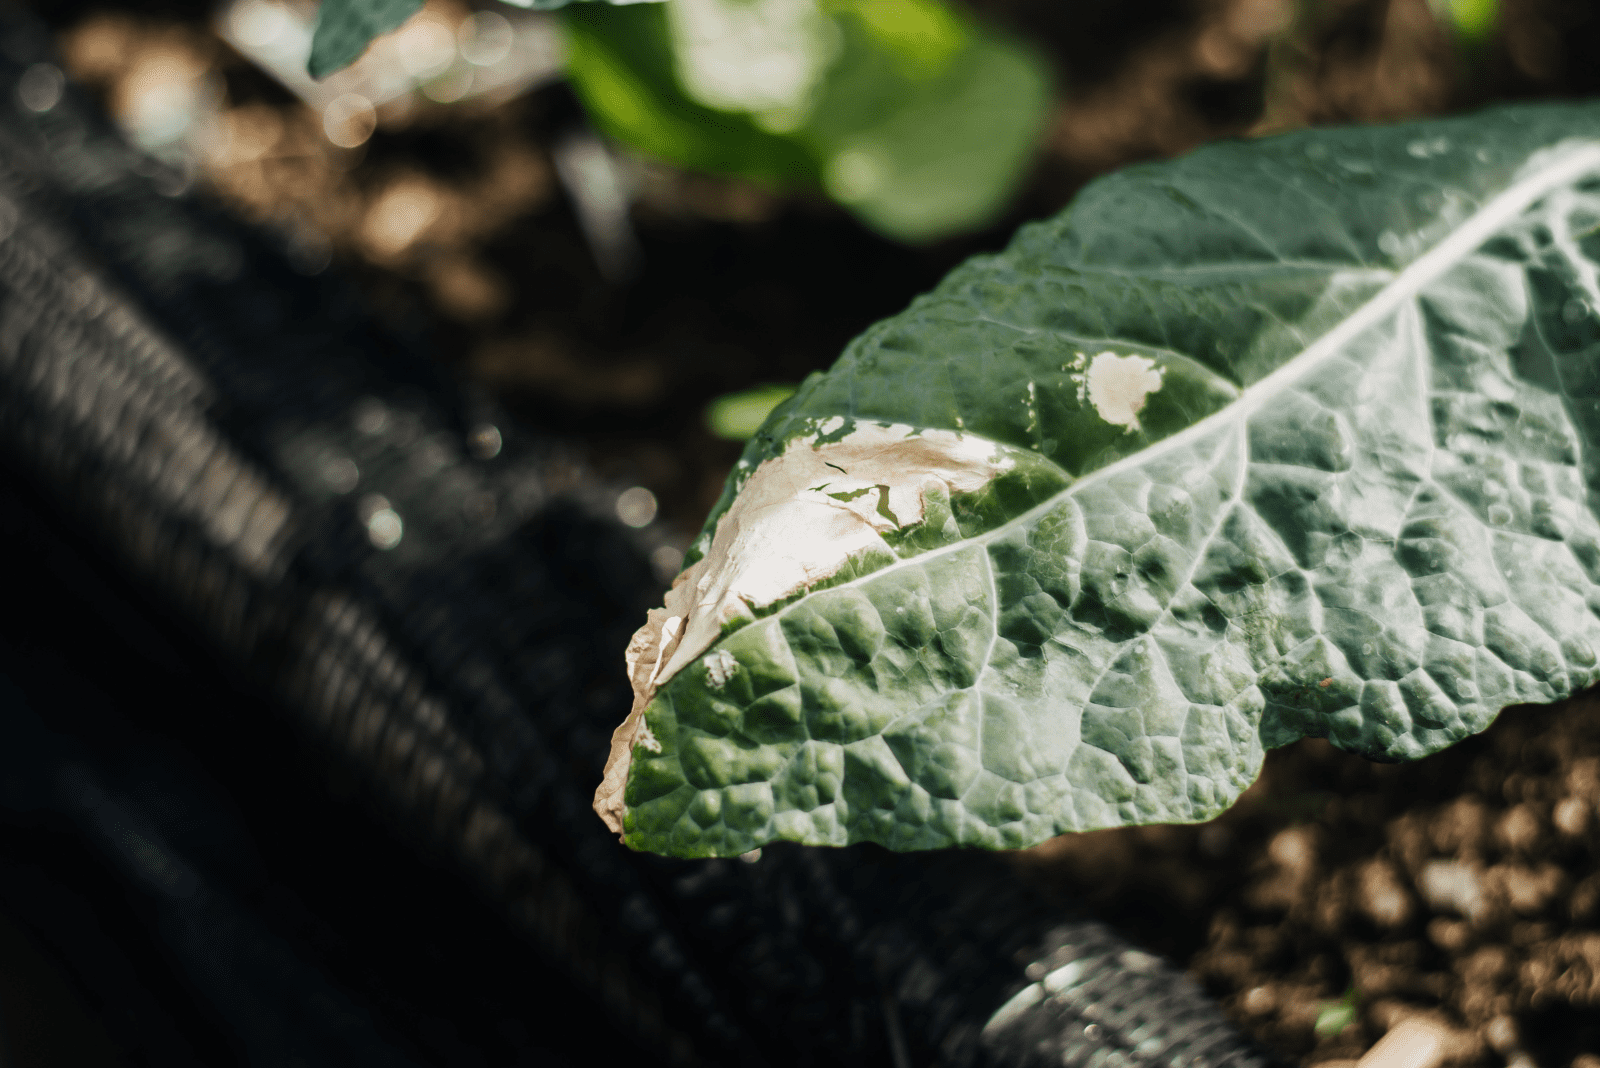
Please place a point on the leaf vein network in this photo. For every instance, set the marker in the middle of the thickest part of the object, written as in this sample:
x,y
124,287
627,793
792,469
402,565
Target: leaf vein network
x,y
1488,221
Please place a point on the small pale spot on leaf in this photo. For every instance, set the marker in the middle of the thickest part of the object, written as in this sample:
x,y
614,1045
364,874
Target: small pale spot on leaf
x,y
1118,386
720,667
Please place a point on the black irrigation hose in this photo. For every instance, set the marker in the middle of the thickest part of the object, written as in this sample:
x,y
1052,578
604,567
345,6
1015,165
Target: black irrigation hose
x,y
241,442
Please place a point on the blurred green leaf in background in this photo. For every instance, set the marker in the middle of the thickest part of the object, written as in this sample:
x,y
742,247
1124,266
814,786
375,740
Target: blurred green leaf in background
x,y
1334,1016
918,120
737,416
1473,22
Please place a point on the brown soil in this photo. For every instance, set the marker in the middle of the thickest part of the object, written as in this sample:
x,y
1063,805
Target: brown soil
x,y
1465,886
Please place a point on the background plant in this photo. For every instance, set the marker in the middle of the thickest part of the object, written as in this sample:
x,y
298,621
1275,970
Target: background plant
x,y
907,112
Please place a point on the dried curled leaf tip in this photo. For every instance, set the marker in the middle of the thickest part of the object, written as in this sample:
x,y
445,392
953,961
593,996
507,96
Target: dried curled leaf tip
x,y
800,518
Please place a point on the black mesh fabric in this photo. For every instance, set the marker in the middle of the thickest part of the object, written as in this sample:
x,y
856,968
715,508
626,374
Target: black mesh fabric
x,y
195,408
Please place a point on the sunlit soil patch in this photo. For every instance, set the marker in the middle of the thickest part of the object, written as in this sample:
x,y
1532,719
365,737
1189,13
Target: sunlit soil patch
x,y
1339,896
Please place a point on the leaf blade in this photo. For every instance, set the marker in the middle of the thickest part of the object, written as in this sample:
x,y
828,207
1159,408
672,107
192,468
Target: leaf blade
x,y
345,27
1384,535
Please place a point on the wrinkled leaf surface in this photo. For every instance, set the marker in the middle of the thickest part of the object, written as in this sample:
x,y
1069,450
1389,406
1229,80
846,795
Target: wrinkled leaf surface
x,y
1360,505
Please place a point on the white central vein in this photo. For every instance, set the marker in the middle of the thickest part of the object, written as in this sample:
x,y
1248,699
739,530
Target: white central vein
x,y
1466,239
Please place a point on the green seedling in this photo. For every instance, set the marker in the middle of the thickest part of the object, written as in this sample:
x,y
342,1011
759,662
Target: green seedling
x,y
737,416
1334,1016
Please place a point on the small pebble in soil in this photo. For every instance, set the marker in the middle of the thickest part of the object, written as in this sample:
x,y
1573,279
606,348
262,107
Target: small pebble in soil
x,y
1295,851
1258,1001
1571,817
1502,1034
1452,936
1452,885
1519,830
1383,898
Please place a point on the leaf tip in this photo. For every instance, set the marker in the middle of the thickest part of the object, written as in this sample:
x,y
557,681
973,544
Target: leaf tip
x,y
344,29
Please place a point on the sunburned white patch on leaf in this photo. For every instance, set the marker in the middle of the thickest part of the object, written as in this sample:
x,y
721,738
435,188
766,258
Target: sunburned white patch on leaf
x,y
720,667
798,520
1118,386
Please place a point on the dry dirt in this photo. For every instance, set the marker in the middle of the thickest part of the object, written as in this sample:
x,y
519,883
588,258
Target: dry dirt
x,y
1465,886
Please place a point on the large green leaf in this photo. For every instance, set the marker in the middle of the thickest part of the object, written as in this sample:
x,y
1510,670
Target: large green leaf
x,y
1293,437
